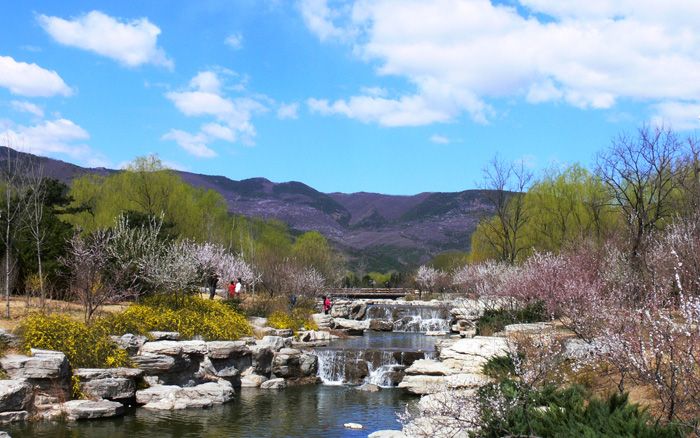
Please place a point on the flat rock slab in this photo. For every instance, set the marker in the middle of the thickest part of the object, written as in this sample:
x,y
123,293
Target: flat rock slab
x,y
18,366
86,409
387,434
274,384
164,336
169,397
171,348
108,373
11,417
226,349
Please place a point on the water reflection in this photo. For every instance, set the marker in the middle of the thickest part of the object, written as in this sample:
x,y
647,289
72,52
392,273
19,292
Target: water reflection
x,y
308,411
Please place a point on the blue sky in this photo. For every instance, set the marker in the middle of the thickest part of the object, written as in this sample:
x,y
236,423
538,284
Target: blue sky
x,y
388,96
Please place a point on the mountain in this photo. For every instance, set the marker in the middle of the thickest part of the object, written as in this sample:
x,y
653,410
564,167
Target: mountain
x,y
382,232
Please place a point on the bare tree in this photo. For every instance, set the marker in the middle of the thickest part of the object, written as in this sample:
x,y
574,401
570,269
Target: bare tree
x,y
640,172
505,185
34,215
12,177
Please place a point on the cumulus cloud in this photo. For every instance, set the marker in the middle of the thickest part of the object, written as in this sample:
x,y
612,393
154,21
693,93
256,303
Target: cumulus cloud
x,y
205,97
234,41
288,111
30,80
678,115
27,107
55,137
131,43
458,55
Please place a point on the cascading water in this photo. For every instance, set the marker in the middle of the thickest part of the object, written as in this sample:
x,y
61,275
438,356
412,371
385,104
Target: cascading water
x,y
412,319
380,358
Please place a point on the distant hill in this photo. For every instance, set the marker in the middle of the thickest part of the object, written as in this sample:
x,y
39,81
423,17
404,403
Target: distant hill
x,y
383,231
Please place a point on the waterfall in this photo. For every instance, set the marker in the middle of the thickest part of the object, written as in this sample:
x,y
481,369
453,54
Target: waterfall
x,y
351,366
412,319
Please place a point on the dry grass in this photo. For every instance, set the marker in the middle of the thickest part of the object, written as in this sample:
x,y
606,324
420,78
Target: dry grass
x,y
20,307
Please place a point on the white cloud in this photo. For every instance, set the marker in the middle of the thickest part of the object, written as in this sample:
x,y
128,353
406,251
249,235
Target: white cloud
x,y
57,137
459,54
30,80
439,139
27,107
288,111
205,98
235,41
131,43
678,115
194,144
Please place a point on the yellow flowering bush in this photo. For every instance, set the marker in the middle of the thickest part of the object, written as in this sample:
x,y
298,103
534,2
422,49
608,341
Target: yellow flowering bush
x,y
300,318
189,315
85,346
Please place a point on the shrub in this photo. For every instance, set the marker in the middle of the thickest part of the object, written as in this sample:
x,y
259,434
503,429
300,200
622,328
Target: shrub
x,y
295,321
189,315
85,346
565,413
495,320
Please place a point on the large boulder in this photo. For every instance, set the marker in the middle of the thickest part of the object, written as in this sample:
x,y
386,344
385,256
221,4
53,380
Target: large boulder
x,y
168,397
353,327
469,355
276,343
42,364
381,325
15,395
129,342
292,363
430,368
227,349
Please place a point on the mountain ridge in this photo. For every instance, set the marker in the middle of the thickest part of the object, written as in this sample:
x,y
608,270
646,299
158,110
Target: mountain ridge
x,y
381,231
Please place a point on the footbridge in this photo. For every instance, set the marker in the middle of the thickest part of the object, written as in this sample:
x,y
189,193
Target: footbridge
x,y
393,293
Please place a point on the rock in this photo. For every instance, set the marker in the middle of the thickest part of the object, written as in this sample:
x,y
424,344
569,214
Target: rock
x,y
369,387
358,309
164,336
291,363
198,348
157,363
355,372
467,333
285,333
354,328
15,395
274,384
470,355
257,321
340,309
249,379
261,359
171,348
353,426
423,384
387,434
169,397
314,336
430,368
42,366
83,409
107,373
531,328
276,343
381,325
109,389
11,417
322,320
226,349
408,357
129,342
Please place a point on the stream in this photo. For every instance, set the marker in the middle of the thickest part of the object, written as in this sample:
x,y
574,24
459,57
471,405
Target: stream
x,y
304,411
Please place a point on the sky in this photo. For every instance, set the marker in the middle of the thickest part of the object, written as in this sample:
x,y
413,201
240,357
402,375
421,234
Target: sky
x,y
389,96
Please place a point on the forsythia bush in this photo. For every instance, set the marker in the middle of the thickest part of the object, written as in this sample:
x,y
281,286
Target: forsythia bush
x,y
189,315
300,318
85,346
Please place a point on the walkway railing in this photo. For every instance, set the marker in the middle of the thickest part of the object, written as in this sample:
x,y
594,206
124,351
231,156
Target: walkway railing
x,y
394,293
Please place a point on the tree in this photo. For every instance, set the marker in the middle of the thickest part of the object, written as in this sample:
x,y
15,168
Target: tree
x,y
505,185
641,174
12,174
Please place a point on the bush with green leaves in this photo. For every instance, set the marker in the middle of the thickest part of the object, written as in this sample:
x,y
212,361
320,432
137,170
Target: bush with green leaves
x,y
495,320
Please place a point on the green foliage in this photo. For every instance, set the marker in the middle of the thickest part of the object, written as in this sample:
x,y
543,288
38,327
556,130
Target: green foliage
x,y
449,261
499,367
495,320
565,413
85,346
188,315
146,187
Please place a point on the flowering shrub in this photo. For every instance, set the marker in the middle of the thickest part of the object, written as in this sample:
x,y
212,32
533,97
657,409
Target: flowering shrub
x,y
295,321
85,346
189,315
